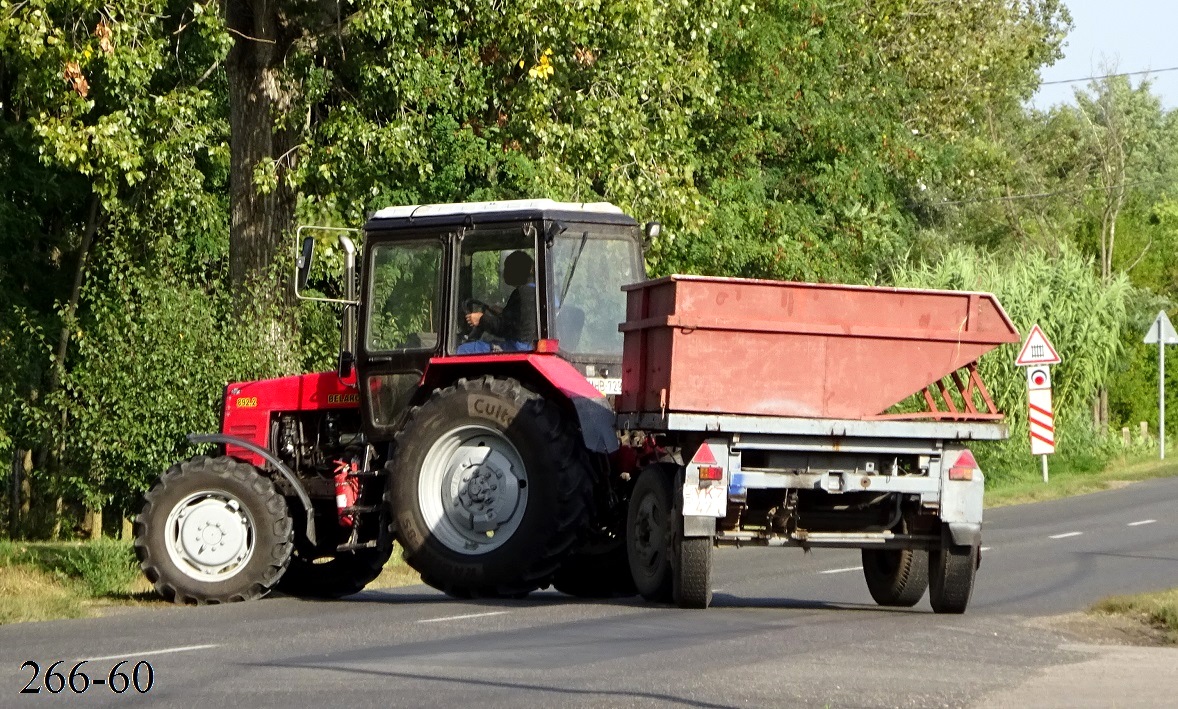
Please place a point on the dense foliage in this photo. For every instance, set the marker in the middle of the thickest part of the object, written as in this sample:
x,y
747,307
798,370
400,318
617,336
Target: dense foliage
x,y
866,142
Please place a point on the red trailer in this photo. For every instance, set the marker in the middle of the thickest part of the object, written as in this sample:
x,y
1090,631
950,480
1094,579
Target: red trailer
x,y
775,397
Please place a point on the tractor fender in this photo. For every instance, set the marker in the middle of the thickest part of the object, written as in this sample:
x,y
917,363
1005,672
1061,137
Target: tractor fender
x,y
556,377
270,458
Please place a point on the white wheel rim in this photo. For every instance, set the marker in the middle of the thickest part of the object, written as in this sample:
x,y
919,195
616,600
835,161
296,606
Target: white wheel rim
x,y
649,541
210,536
473,489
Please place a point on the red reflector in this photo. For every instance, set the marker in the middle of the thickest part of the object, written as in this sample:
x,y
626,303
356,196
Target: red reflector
x,y
965,460
549,346
711,472
704,455
964,467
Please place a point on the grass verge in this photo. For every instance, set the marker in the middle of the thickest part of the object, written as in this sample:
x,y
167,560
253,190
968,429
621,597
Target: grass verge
x,y
1069,484
1157,610
55,580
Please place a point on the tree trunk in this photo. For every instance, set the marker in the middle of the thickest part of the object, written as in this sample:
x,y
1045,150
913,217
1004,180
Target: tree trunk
x,y
58,511
93,522
26,490
259,101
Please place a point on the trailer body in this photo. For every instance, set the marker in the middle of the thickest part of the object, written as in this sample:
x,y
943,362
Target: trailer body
x,y
780,403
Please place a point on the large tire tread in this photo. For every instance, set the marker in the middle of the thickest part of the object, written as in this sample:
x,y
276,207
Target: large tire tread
x,y
693,577
896,577
263,570
951,578
573,491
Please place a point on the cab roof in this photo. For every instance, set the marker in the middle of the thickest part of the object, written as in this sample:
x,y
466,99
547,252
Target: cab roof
x,y
472,213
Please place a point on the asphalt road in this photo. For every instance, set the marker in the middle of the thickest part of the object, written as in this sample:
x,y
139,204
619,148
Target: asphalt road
x,y
786,629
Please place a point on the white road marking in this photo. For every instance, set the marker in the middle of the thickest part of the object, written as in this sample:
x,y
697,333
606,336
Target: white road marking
x,y
1065,535
985,549
463,617
1138,524
148,653
839,571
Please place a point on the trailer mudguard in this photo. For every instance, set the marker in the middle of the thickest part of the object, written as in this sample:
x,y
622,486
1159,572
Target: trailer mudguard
x,y
595,414
962,488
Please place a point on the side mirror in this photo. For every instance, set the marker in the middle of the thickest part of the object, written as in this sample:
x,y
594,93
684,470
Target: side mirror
x,y
304,264
653,229
347,361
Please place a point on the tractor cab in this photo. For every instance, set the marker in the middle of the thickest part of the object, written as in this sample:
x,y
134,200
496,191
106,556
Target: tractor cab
x,y
489,279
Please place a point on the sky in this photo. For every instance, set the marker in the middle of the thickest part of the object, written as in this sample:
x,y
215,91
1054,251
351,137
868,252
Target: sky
x,y
1128,35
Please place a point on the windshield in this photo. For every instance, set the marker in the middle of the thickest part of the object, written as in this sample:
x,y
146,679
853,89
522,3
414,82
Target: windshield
x,y
590,264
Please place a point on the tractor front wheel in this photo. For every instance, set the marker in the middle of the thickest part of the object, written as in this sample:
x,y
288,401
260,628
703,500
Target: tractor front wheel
x,y
490,489
213,530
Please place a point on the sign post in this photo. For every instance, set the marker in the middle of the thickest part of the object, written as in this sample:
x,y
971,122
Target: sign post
x,y
1161,332
1037,355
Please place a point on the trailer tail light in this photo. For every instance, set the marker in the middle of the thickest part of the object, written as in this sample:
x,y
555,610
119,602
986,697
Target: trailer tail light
x,y
964,468
548,346
711,472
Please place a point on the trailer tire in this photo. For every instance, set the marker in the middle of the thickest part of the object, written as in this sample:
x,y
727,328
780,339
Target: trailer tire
x,y
650,534
213,530
896,577
597,572
532,492
341,575
951,577
693,573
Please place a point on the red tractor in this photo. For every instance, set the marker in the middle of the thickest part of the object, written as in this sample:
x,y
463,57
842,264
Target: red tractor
x,y
479,436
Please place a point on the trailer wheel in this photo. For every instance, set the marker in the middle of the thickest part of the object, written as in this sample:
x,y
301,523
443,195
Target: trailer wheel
x,y
649,535
213,530
601,571
490,488
896,577
693,573
335,576
951,577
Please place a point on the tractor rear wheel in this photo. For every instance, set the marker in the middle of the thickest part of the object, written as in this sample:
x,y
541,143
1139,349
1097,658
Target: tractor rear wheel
x,y
490,489
213,530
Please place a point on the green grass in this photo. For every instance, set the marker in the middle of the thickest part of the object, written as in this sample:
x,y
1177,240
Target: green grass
x,y
1158,610
48,580
1068,483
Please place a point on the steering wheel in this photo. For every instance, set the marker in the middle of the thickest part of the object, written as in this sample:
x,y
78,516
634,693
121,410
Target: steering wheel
x,y
472,305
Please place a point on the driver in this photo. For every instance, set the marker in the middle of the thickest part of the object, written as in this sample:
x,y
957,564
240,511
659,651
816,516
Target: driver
x,y
516,325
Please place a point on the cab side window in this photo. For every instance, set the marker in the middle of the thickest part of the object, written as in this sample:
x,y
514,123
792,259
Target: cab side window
x,y
406,289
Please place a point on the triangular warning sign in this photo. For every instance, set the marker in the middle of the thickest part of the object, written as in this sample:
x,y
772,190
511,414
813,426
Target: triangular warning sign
x,y
1037,350
1161,330
704,456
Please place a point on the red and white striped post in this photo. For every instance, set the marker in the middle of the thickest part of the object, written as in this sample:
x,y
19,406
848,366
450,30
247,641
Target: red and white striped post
x,y
1037,355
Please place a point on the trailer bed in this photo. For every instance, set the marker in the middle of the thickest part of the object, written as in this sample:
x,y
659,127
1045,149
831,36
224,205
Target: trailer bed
x,y
799,426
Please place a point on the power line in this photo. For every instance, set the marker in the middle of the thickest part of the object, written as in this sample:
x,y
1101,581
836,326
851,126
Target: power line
x,y
1108,76
1040,195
